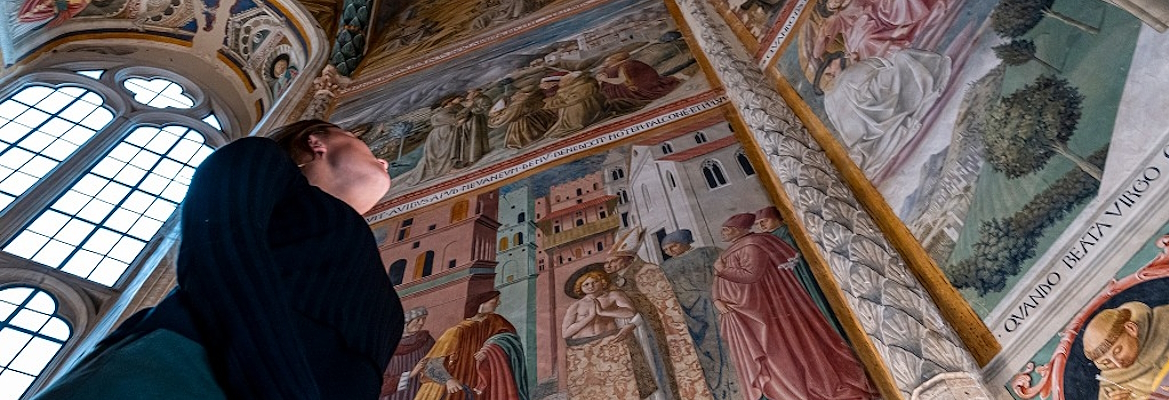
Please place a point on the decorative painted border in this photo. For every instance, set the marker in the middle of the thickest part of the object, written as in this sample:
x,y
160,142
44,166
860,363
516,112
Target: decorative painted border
x,y
779,35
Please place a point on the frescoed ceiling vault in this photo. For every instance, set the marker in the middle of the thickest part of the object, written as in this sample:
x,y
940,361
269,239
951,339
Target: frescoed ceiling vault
x,y
259,45
920,115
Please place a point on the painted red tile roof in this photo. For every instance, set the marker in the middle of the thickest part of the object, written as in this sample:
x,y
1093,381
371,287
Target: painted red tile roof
x,y
704,148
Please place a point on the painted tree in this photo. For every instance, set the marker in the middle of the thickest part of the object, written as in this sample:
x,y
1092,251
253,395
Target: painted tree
x,y
998,255
1013,18
1004,245
1024,130
1018,52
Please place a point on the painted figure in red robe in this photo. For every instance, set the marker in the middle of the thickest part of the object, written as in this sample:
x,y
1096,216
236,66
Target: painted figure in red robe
x,y
629,84
57,10
782,346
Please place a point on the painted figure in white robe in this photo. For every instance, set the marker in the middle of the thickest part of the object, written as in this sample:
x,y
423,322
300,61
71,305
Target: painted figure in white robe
x,y
877,105
664,336
438,153
471,139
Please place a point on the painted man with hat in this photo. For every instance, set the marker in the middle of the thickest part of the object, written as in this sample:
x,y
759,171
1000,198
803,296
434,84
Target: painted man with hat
x,y
768,220
691,270
401,380
678,374
782,346
481,354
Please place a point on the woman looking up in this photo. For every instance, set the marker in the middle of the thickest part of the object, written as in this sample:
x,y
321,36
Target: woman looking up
x,y
281,290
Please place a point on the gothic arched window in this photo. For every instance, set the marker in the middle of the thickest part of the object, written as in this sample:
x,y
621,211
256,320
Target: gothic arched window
x,y
398,271
744,163
699,137
95,159
93,164
31,335
712,170
617,173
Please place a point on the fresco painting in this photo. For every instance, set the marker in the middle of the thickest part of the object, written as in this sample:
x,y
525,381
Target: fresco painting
x,y
761,19
280,73
172,14
934,101
566,79
419,27
616,275
1117,346
259,39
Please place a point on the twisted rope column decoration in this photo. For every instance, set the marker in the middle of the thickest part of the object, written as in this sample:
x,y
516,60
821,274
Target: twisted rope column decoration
x,y
924,356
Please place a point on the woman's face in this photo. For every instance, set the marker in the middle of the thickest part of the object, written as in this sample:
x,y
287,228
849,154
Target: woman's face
x,y
355,175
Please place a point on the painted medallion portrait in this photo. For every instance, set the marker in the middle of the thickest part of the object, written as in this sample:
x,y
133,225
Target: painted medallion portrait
x,y
1117,347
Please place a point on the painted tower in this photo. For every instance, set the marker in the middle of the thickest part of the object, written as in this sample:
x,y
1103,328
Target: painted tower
x,y
576,224
440,255
515,271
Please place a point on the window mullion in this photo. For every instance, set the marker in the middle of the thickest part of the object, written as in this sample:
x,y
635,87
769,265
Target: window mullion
x,y
42,195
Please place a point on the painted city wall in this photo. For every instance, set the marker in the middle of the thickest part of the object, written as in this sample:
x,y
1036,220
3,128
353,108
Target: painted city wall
x,y
992,128
622,274
1116,345
516,103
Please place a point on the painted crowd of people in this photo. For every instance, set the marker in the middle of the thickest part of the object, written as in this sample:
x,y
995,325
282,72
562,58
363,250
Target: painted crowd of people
x,y
559,104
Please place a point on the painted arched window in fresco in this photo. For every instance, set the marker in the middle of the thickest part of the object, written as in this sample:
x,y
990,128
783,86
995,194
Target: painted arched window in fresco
x,y
31,335
519,219
712,170
667,148
424,264
744,163
459,211
617,173
519,238
503,243
699,137
398,271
